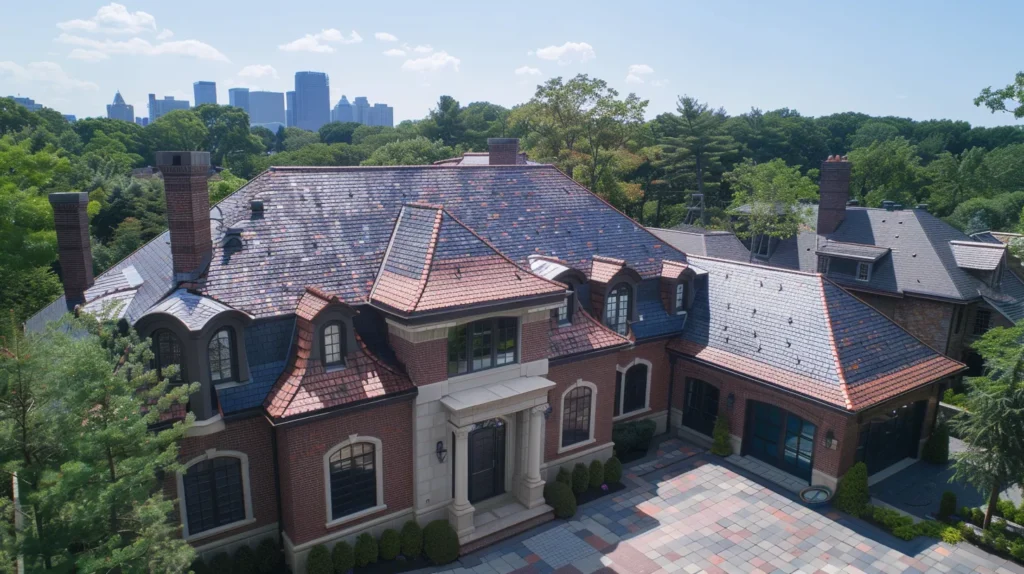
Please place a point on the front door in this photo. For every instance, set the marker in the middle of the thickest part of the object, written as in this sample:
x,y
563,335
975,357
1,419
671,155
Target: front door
x,y
487,460
779,438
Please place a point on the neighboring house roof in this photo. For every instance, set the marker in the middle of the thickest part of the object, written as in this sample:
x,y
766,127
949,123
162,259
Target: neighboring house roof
x,y
803,333
306,386
1003,237
584,335
706,243
856,251
481,158
434,262
977,255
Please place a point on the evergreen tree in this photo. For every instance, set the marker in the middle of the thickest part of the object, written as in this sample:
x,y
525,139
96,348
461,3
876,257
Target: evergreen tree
x,y
697,148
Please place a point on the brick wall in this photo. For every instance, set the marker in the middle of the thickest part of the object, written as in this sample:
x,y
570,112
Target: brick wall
x,y
71,220
881,303
656,354
301,449
251,436
425,362
535,337
927,320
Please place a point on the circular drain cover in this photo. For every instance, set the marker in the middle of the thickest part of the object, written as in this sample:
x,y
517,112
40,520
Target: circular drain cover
x,y
815,495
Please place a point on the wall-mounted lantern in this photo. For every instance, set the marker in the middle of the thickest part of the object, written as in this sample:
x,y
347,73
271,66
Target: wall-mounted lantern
x,y
548,411
830,440
730,401
440,451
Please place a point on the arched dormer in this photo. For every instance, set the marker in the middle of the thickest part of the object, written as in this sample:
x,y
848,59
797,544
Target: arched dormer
x,y
613,293
677,286
330,322
572,279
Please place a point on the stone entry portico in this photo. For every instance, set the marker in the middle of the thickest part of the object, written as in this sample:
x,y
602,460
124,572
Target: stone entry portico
x,y
520,404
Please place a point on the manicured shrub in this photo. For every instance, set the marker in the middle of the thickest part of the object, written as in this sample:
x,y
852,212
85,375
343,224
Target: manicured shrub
x,y
613,471
580,478
366,549
977,516
951,535
412,539
852,493
440,542
936,448
268,556
390,544
560,497
1017,549
947,506
343,557
245,560
1006,509
624,437
199,567
319,561
221,563
722,445
596,474
645,434
564,476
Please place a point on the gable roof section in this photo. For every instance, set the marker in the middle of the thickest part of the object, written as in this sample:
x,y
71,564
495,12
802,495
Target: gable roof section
x,y
803,333
978,255
704,243
435,262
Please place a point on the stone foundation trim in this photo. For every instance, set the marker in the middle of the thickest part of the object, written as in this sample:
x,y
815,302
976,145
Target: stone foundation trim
x,y
295,555
600,452
249,537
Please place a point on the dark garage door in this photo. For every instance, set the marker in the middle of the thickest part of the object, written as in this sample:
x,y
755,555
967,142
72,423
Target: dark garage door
x,y
891,436
779,438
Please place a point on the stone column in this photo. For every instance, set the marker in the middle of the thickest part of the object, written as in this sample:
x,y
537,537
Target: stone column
x,y
460,514
534,487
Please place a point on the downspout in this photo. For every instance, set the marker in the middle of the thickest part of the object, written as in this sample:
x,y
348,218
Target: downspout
x,y
277,483
671,384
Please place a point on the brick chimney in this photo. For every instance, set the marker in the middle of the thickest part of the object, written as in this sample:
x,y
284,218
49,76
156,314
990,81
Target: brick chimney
x,y
70,214
188,210
502,151
834,192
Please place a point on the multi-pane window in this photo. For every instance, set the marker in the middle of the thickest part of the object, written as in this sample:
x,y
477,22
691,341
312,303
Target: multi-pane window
x,y
166,352
679,301
823,264
958,319
631,389
214,493
333,344
616,308
576,415
481,345
761,245
863,271
700,409
221,351
564,312
982,320
353,479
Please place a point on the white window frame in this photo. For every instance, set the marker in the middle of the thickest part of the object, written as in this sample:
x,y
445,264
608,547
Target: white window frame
x,y
867,274
647,397
378,461
765,241
246,494
679,298
593,416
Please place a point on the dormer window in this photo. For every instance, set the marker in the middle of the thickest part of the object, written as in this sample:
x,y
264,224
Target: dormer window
x,y
679,298
823,261
617,307
222,356
761,246
863,271
332,344
563,314
167,352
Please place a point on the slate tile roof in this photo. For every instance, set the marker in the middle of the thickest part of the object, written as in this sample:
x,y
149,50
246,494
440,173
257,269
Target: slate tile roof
x,y
870,253
653,320
583,335
804,333
708,243
982,256
268,343
195,311
603,269
306,386
435,262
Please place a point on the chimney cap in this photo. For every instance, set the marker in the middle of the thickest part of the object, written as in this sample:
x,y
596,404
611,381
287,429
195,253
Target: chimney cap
x,y
69,197
502,141
183,158
836,158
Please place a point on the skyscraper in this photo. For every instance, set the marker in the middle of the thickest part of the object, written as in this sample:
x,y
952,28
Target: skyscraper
x,y
361,110
382,115
266,108
27,102
290,113
312,100
159,108
120,110
342,111
205,92
239,97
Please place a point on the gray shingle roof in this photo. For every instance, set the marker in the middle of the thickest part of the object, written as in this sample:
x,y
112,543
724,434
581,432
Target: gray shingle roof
x,y
978,255
720,244
852,251
195,311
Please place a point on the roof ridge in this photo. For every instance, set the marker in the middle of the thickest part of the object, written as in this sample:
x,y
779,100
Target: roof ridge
x,y
832,344
756,266
977,244
315,168
429,257
828,240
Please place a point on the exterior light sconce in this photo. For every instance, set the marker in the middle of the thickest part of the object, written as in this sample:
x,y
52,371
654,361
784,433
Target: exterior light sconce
x,y
547,412
830,440
730,401
440,451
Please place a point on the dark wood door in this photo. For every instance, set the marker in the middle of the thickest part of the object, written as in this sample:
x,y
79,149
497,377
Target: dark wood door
x,y
891,436
487,461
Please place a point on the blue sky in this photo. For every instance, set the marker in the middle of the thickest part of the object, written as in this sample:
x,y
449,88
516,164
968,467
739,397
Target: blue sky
x,y
916,59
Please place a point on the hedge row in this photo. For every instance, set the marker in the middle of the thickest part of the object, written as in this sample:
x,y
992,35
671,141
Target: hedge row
x,y
438,542
560,494
266,559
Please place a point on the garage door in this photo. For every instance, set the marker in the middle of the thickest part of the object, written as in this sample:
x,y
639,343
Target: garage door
x,y
890,437
779,438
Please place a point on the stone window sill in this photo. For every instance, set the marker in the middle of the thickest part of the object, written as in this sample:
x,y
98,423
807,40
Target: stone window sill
x,y
356,515
219,530
577,445
632,414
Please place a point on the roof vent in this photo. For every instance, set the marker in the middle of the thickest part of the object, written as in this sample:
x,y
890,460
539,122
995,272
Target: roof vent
x,y
898,206
922,206
888,205
256,207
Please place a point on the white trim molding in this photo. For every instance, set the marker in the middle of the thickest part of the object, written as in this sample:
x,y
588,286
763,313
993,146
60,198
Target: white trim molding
x,y
378,469
246,494
647,396
593,416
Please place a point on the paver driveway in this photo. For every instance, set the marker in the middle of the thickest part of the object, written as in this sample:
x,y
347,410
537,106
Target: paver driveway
x,y
698,515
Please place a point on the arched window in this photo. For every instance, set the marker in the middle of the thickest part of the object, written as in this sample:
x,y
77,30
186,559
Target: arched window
x,y
577,415
215,493
679,302
222,356
332,344
354,485
167,352
616,308
631,388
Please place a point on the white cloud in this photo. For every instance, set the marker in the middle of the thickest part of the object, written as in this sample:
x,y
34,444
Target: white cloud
x,y
38,74
432,63
637,72
527,71
87,55
423,49
113,18
165,34
385,37
395,53
321,41
258,71
567,52
140,47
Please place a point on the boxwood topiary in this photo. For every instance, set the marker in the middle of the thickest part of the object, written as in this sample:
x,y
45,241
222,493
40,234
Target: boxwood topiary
x,y
722,445
440,542
199,567
268,556
245,560
645,430
390,544
343,557
564,476
624,437
560,497
596,474
852,494
936,448
366,549
319,561
221,563
947,505
412,539
580,478
613,471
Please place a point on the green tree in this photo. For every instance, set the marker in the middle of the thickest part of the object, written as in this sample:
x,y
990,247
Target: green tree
x,y
14,117
888,170
771,194
995,100
994,431
228,132
180,130
338,132
266,137
447,121
419,151
279,138
873,131
956,178
296,138
697,148
126,239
